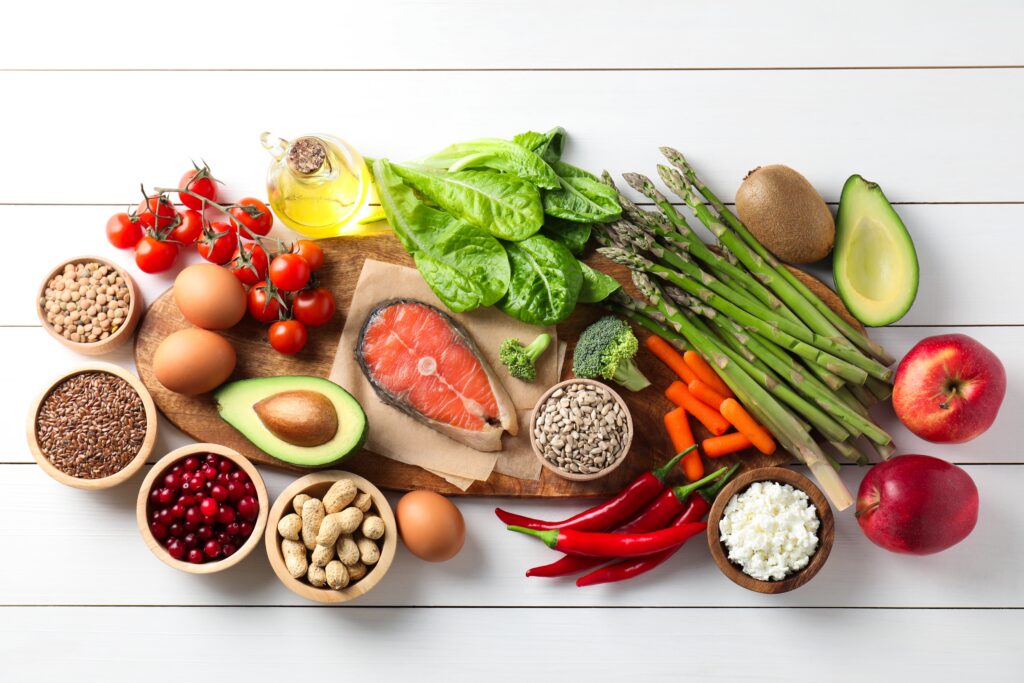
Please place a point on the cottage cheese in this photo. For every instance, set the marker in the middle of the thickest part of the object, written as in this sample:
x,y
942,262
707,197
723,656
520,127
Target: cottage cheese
x,y
770,530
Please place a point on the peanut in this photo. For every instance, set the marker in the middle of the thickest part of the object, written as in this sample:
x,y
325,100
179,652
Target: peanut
x,y
337,575
317,576
290,527
330,529
363,501
356,571
298,501
340,495
312,516
294,557
369,553
322,554
350,519
373,527
348,550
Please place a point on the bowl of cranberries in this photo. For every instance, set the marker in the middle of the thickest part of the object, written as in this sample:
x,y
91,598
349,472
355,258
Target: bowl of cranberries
x,y
202,508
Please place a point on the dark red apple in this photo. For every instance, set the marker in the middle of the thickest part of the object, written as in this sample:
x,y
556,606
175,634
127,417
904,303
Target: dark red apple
x,y
949,388
917,504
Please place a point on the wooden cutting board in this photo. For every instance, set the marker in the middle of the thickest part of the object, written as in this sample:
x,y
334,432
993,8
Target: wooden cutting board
x,y
197,415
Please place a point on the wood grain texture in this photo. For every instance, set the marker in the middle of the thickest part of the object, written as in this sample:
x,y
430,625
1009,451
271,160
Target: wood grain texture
x,y
197,415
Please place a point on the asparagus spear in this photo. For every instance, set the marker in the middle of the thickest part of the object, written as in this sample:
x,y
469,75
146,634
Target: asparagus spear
x,y
834,320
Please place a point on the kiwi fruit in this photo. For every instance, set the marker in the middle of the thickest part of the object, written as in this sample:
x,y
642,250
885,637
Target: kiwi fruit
x,y
786,214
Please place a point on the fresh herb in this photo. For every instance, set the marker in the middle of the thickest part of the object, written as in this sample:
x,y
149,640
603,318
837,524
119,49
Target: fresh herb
x,y
545,284
521,360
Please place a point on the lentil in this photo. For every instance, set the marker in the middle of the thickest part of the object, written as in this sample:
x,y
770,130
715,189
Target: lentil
x,y
86,302
580,429
91,425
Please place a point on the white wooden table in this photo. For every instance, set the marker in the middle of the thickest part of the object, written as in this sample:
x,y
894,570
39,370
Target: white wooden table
x,y
929,102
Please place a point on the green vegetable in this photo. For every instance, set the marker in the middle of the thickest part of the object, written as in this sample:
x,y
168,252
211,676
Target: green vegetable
x,y
497,154
505,205
582,197
463,265
596,285
520,360
548,146
607,349
573,236
545,282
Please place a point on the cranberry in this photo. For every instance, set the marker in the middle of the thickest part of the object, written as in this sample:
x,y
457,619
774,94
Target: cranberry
x,y
173,481
204,532
191,499
250,489
225,466
190,541
234,528
193,515
165,496
176,549
158,530
211,458
208,507
178,510
176,530
224,537
196,482
219,493
238,475
191,526
225,515
164,517
223,479
235,491
191,463
154,497
195,556
248,508
245,529
228,549
209,471
212,548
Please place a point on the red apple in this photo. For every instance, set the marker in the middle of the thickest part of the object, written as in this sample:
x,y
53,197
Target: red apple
x,y
917,504
949,388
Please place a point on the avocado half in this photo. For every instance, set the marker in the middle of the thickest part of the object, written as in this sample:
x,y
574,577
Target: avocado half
x,y
237,403
874,263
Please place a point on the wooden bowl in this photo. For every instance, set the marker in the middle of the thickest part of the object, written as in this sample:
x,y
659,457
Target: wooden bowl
x,y
141,518
570,475
826,529
135,309
316,485
132,467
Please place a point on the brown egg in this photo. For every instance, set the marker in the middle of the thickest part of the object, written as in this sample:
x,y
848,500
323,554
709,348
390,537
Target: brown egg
x,y
193,361
209,296
430,525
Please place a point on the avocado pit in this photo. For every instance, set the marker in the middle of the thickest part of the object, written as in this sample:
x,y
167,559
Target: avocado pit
x,y
300,417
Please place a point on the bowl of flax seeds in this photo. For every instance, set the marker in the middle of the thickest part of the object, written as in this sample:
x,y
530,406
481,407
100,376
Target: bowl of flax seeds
x,y
93,427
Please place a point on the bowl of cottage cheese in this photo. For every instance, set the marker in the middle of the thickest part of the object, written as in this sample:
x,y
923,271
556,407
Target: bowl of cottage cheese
x,y
770,530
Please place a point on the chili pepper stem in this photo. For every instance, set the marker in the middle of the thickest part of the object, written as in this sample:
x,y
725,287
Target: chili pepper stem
x,y
662,472
683,492
711,492
550,537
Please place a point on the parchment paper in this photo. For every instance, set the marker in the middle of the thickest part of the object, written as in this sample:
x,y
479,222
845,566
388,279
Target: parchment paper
x,y
394,434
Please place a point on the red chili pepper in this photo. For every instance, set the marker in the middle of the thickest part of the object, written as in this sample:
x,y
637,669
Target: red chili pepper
x,y
605,544
698,507
657,515
611,512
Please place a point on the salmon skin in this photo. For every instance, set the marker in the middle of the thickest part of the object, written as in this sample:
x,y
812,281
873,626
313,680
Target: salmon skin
x,y
419,360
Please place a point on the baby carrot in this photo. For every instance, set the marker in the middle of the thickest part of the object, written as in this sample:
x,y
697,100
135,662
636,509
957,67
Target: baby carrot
x,y
717,446
709,417
746,425
667,354
705,373
705,393
679,432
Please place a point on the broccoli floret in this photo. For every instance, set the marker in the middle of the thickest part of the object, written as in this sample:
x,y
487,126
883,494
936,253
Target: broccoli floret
x,y
520,359
606,349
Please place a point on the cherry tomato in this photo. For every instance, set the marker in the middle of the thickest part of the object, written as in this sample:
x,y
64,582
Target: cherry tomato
x,y
256,269
156,212
218,245
199,181
123,232
314,307
288,336
155,256
263,306
253,214
289,272
190,228
310,251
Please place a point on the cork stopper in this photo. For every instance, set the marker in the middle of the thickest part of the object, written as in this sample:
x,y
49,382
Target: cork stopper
x,y
306,155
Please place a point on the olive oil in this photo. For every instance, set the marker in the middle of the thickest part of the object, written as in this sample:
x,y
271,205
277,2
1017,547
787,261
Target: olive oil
x,y
320,186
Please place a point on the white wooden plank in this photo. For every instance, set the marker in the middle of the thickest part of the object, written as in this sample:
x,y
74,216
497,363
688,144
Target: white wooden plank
x,y
536,34
965,252
38,359
113,566
94,644
932,135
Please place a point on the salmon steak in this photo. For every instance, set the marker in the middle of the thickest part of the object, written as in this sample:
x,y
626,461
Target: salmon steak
x,y
421,361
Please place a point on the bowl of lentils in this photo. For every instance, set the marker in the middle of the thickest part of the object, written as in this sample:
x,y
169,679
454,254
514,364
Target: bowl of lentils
x,y
89,305
581,429
93,427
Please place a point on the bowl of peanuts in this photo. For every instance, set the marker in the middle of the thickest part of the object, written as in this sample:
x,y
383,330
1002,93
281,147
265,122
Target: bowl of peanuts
x,y
331,536
89,305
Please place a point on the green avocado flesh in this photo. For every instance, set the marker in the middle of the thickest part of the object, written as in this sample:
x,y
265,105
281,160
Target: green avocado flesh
x,y
237,403
875,264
